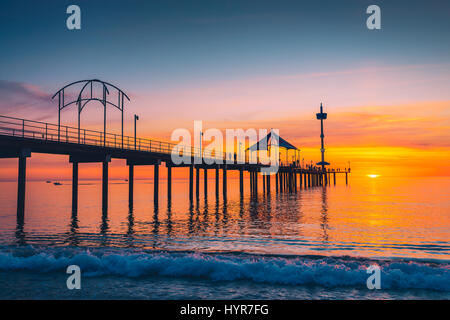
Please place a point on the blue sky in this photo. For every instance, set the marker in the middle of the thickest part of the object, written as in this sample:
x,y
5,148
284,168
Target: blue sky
x,y
158,44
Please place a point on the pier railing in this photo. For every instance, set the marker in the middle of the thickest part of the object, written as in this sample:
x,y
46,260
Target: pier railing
x,y
17,127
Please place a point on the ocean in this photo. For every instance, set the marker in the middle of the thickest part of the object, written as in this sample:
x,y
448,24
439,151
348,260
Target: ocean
x,y
316,243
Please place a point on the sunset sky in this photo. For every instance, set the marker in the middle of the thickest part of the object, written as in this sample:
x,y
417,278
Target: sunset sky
x,y
242,64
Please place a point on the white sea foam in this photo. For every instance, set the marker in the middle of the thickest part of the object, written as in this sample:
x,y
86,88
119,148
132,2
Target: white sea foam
x,y
299,270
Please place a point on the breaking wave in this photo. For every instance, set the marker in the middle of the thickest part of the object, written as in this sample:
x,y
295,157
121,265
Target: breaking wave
x,y
282,270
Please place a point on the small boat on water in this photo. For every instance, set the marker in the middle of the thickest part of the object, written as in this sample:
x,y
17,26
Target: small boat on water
x,y
57,183
48,181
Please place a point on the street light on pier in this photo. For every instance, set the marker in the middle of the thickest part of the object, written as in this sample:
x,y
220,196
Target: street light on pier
x,y
136,118
322,116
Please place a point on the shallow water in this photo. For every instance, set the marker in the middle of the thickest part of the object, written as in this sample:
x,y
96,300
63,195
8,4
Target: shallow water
x,y
316,243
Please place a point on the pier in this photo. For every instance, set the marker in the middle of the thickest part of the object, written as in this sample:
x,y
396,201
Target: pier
x,y
20,138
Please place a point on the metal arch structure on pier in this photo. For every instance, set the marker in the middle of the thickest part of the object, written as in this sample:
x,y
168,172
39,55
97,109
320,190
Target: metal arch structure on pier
x,y
81,101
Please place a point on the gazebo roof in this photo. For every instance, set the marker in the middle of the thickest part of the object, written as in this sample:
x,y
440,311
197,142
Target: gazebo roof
x,y
266,141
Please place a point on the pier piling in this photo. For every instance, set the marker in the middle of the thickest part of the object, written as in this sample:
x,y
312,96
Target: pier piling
x,y
74,186
205,182
305,179
241,182
276,181
105,186
264,183
130,184
217,182
156,184
169,183
21,187
191,183
281,182
197,182
224,181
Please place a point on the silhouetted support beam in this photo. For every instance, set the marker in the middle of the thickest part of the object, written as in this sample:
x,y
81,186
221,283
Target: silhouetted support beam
x,y
205,182
264,183
21,188
256,182
89,158
295,181
217,182
301,178
105,186
156,184
291,181
309,180
197,182
281,181
276,181
169,183
191,183
346,178
305,177
241,182
268,183
224,181
74,186
130,184
334,178
286,181
252,182
325,175
96,157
